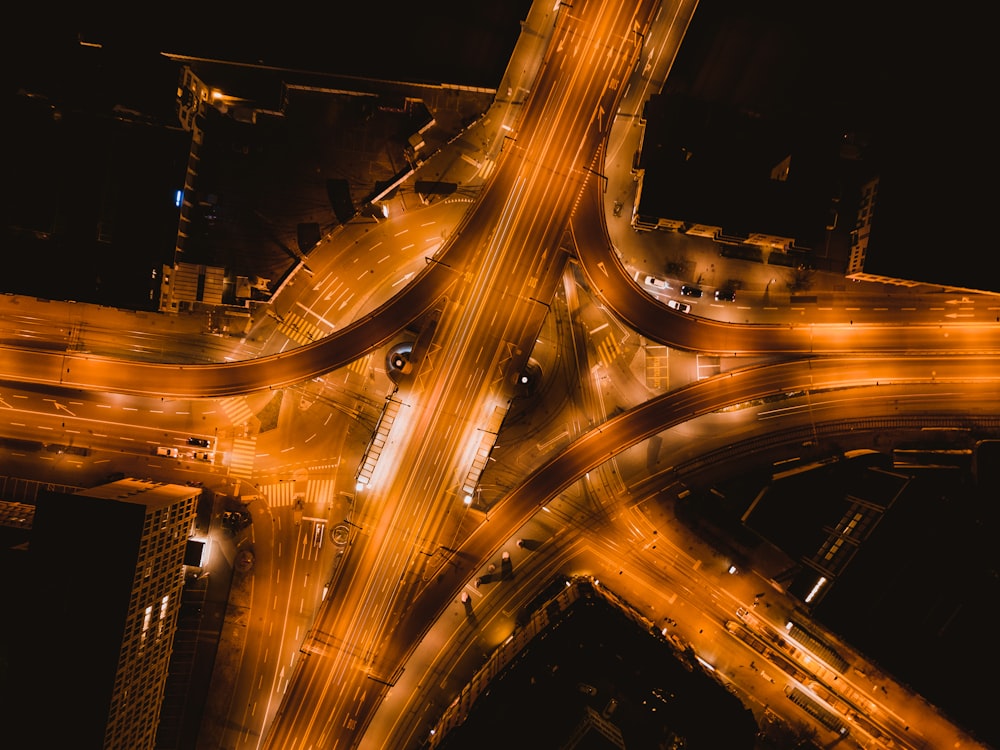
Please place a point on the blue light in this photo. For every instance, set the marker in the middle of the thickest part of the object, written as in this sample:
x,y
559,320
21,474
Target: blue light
x,y
178,198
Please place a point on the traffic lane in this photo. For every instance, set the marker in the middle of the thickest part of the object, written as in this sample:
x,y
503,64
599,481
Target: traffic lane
x,y
606,275
611,281
333,684
94,373
676,407
461,343
359,268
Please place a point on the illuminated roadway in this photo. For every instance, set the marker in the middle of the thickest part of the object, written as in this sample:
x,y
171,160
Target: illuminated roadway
x,y
596,528
492,286
480,346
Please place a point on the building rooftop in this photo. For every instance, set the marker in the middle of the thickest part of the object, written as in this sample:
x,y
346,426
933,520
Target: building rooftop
x,y
903,545
588,669
140,491
708,164
848,81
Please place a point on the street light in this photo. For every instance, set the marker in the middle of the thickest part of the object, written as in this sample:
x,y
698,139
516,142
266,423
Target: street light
x,y
353,525
435,260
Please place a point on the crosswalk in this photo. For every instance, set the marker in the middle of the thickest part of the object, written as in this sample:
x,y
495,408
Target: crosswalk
x,y
300,330
280,494
237,409
242,456
360,366
486,168
608,350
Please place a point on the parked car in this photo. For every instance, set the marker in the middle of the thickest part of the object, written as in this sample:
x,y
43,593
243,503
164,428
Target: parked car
x,y
690,291
683,307
725,295
236,520
656,283
200,442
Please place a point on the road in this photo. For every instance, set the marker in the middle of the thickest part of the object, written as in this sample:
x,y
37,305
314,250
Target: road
x,y
491,280
607,522
484,334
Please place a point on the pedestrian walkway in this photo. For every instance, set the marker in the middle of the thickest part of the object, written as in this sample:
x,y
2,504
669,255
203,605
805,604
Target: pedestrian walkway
x,y
360,365
378,441
300,330
608,350
242,457
237,409
283,494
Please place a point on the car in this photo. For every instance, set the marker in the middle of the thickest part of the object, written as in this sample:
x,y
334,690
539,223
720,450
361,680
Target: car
x,y
656,283
611,707
200,442
164,451
690,291
236,520
202,456
725,295
683,307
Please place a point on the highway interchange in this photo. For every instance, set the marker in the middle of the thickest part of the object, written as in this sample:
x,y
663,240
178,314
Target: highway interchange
x,y
493,277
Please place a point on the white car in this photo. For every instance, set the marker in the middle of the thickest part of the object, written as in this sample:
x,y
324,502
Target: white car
x,y
656,283
683,307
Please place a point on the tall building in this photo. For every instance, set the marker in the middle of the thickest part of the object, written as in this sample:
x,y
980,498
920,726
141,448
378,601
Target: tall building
x,y
103,575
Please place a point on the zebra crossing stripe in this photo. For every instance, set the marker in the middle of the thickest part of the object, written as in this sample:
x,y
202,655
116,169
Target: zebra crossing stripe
x,y
321,490
299,329
282,494
279,494
360,366
237,409
293,334
242,458
608,349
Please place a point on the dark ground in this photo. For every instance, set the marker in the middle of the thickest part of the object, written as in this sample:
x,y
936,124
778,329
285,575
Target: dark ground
x,y
92,214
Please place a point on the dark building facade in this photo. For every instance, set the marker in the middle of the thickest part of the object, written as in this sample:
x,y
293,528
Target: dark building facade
x,y
103,578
